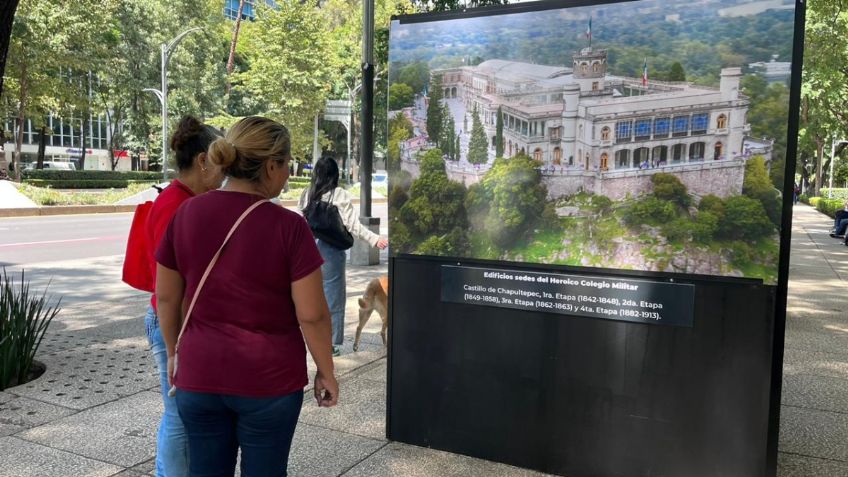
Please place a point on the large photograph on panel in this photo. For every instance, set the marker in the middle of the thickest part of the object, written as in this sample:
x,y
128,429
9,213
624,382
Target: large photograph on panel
x,y
646,135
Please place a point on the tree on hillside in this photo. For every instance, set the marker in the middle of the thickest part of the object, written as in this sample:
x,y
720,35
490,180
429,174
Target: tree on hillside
x,y
435,211
478,147
509,201
757,185
416,75
435,109
677,73
499,140
400,96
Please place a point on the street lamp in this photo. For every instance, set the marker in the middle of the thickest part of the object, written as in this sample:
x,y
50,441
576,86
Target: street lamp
x,y
162,94
833,145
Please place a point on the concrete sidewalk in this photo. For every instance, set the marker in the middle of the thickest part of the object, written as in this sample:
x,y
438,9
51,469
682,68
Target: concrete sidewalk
x,y
96,409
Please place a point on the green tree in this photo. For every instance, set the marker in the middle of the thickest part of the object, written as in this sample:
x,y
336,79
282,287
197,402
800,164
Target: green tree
x,y
757,185
291,66
676,73
509,201
744,218
401,130
400,96
435,110
416,75
478,147
668,187
434,214
499,140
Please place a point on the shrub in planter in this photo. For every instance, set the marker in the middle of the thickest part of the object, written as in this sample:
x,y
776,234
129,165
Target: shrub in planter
x,y
57,175
24,318
829,206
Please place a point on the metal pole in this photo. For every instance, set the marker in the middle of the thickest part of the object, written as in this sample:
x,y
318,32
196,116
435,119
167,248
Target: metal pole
x,y
367,143
165,112
315,154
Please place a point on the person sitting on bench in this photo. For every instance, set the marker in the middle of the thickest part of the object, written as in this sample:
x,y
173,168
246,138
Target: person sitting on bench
x,y
840,221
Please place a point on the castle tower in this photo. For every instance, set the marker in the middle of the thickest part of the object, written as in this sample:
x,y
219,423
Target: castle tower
x,y
571,97
590,69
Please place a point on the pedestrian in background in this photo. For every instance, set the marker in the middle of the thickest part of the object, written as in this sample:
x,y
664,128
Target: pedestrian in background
x,y
324,186
197,175
247,275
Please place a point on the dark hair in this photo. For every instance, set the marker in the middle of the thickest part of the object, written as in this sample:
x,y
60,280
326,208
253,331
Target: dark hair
x,y
190,139
247,146
325,177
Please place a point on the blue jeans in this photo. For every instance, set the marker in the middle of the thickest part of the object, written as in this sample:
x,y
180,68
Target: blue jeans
x,y
335,290
218,425
171,442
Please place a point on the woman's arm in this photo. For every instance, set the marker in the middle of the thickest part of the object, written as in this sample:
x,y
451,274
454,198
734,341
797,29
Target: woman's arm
x,y
350,217
170,288
314,318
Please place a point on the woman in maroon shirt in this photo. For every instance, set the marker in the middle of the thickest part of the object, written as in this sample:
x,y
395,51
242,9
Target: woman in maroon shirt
x,y
242,360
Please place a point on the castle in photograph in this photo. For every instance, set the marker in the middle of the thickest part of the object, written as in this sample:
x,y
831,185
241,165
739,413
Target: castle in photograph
x,y
607,134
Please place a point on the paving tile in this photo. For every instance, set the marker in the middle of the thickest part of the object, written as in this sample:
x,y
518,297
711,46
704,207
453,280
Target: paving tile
x,y
128,473
814,433
27,459
319,452
397,459
146,467
791,465
815,392
121,432
23,413
815,363
361,409
82,377
377,373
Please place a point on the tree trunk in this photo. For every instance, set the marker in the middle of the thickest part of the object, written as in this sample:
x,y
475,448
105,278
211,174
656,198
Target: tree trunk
x,y
19,139
819,166
42,148
83,149
232,58
7,17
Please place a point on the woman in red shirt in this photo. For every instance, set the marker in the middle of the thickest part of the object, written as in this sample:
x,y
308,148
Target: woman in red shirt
x,y
242,359
197,175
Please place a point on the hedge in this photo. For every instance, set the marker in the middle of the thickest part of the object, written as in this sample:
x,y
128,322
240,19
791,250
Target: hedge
x,y
827,206
838,193
56,175
85,184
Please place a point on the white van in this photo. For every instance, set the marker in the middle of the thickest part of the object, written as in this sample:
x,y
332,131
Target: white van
x,y
53,165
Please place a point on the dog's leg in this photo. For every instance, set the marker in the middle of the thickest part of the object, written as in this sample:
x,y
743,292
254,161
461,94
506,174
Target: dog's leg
x,y
364,314
383,331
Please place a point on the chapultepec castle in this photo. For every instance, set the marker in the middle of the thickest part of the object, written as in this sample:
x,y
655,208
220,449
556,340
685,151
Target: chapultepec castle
x,y
608,134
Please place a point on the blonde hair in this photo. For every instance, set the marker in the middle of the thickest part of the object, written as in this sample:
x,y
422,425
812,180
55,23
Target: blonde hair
x,y
248,145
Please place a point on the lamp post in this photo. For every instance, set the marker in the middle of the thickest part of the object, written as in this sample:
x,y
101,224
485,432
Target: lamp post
x,y
166,50
833,145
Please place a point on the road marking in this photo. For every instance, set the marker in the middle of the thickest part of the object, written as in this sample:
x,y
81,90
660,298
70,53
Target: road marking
x,y
48,242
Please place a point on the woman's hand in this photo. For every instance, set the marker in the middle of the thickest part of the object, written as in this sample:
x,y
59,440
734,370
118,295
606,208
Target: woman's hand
x,y
326,390
382,243
171,370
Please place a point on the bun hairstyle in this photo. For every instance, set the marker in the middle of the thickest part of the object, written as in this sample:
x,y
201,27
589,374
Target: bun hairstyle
x,y
190,139
247,145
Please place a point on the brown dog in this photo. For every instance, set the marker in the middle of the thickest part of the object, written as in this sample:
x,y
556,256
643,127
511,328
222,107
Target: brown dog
x,y
376,297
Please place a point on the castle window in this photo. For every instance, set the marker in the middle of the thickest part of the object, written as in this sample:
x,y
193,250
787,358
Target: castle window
x,y
622,159
700,123
696,151
661,127
584,67
605,133
623,130
595,86
680,125
643,129
537,154
678,151
596,67
604,161
721,122
718,151
557,155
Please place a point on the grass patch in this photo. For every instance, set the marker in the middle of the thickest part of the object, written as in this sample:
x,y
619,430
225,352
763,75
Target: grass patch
x,y
48,196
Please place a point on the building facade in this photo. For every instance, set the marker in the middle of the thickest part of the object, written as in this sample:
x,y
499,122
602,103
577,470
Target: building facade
x,y
583,118
231,8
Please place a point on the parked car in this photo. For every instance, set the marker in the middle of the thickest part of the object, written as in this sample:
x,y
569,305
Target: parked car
x,y
54,165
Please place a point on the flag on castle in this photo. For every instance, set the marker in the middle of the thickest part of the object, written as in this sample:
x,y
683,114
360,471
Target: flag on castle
x,y
589,30
645,73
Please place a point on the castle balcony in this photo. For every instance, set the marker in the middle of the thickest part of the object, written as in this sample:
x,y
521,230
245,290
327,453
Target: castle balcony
x,y
606,143
720,131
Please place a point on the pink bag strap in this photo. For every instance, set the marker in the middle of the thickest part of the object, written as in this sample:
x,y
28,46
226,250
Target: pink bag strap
x,y
212,264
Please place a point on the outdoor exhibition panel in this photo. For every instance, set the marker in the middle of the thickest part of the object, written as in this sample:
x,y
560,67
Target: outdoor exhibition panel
x,y
589,235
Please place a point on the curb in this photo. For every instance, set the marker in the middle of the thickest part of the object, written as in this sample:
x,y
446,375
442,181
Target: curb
x,y
105,209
